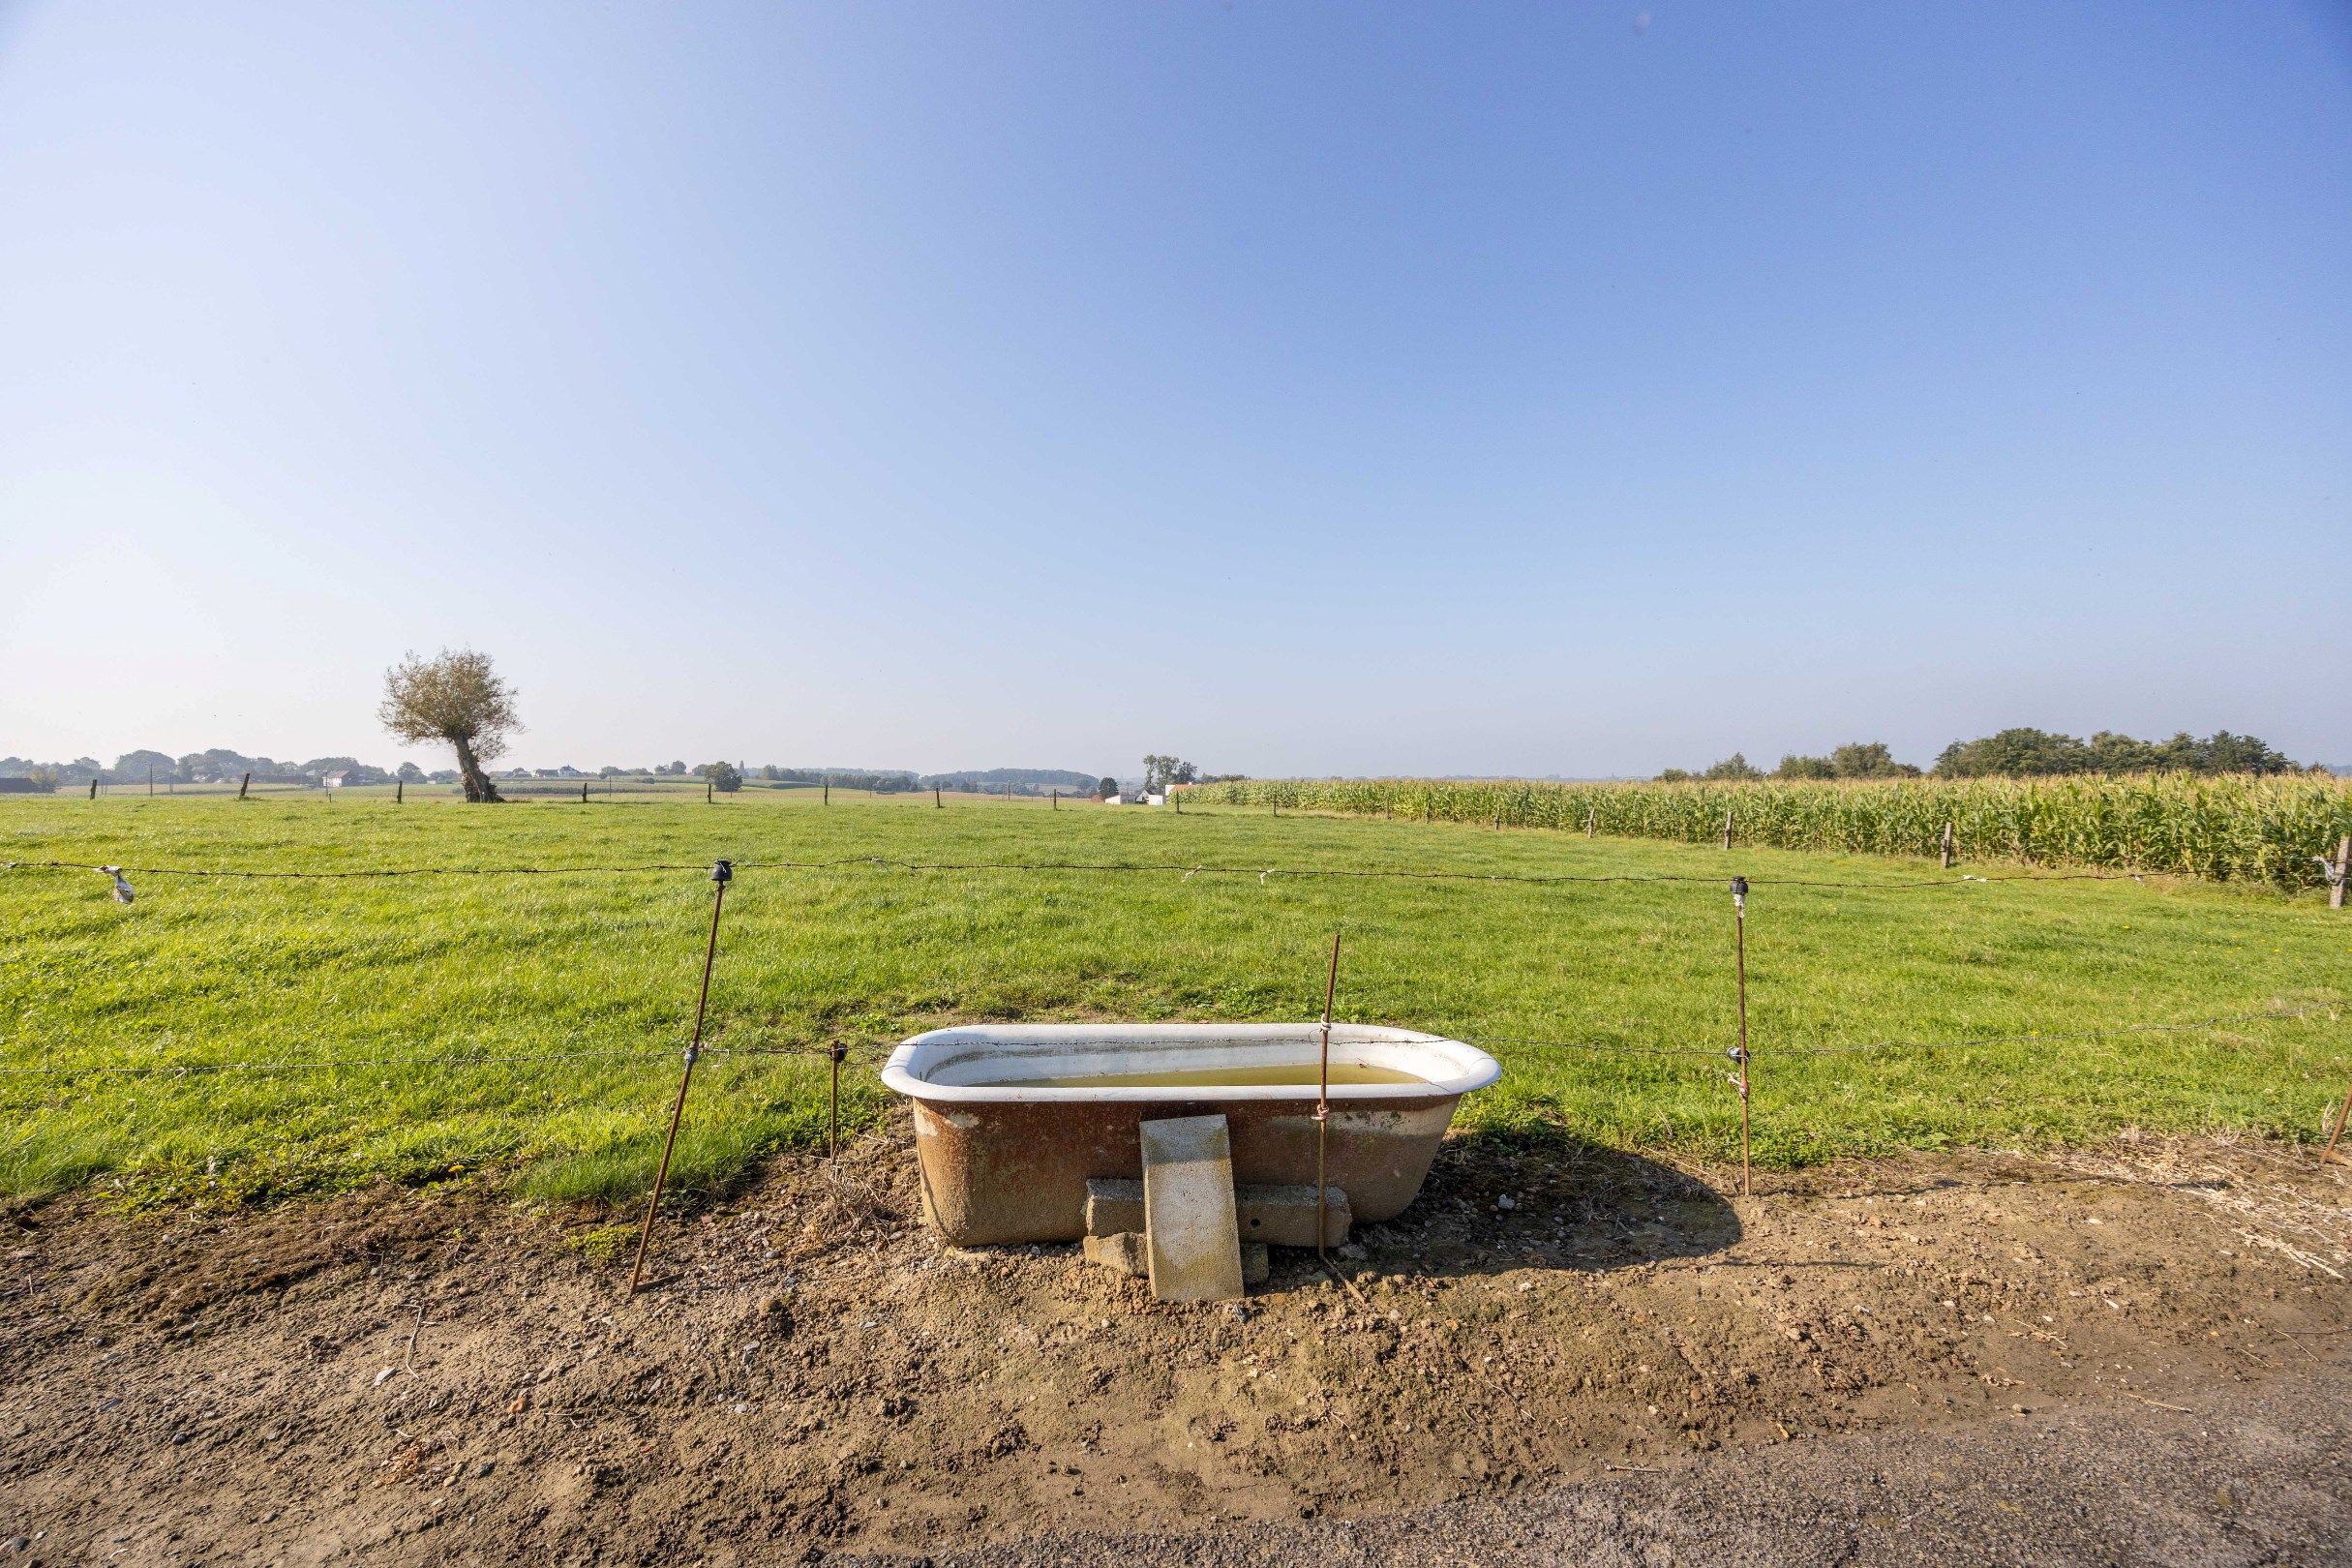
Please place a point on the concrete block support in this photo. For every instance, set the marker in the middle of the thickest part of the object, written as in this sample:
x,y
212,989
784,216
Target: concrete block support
x,y
1194,1239
1278,1216
1127,1252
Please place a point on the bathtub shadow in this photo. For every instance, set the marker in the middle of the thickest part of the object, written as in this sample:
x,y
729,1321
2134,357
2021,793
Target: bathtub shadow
x,y
1571,1205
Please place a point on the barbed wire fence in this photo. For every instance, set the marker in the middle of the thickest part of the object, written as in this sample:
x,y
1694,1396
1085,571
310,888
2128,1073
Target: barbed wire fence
x,y
836,1050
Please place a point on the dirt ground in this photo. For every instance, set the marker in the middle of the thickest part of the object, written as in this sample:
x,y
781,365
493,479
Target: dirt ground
x,y
442,1376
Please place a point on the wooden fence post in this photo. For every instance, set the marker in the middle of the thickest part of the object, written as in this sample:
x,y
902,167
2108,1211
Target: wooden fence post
x,y
93,787
1057,798
400,787
1591,816
828,790
243,785
1948,846
2344,868
1727,827
936,803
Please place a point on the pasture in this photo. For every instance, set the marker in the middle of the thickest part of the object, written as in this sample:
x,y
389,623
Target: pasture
x,y
372,997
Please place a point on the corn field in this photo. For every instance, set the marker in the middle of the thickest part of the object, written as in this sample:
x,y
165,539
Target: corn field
x,y
2221,826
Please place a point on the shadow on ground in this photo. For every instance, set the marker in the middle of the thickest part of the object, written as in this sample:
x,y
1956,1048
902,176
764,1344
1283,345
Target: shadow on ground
x,y
1496,1202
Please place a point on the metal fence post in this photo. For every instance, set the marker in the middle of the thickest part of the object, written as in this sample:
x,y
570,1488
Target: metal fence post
x,y
721,873
1739,1052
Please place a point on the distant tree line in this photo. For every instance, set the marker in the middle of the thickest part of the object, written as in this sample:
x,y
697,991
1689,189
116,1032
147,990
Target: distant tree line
x,y
1024,781
224,767
220,766
2024,753
216,766
882,782
1158,772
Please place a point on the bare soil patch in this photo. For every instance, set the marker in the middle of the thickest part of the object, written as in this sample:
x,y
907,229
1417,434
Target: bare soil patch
x,y
444,1376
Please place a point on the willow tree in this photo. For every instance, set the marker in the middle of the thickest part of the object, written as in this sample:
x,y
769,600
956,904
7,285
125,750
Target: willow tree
x,y
457,697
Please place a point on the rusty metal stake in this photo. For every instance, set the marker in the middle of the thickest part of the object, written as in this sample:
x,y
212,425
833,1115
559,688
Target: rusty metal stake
x,y
2342,1111
1739,948
832,1106
1322,1109
721,873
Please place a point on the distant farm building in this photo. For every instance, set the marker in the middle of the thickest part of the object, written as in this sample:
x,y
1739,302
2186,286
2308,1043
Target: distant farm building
x,y
25,785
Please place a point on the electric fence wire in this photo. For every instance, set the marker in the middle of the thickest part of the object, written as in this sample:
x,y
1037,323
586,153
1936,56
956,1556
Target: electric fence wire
x,y
1186,870
1898,1046
874,1052
340,1064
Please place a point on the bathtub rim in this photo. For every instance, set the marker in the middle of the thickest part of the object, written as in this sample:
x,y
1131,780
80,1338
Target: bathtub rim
x,y
1472,1067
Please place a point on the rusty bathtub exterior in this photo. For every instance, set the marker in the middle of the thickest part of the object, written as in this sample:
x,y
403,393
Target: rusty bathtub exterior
x,y
1001,1162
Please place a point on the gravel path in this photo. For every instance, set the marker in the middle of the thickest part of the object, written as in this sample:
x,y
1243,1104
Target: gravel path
x,y
2258,1473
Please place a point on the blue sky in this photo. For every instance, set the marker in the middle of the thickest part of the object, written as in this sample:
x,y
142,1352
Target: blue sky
x,y
1339,388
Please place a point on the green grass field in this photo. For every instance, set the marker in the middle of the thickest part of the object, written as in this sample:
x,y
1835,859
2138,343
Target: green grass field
x,y
204,970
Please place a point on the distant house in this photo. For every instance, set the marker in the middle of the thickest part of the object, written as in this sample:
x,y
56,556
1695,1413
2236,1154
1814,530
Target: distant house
x,y
1157,800
1113,799
336,781
25,785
